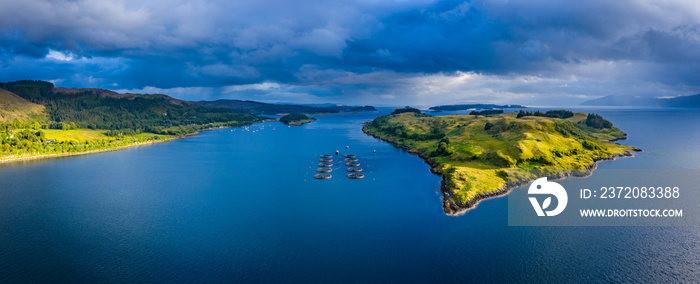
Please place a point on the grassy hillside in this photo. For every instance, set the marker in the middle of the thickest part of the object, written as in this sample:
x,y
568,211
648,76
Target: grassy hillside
x,y
122,113
37,119
14,107
477,154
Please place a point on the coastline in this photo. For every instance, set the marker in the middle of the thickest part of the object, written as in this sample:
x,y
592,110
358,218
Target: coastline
x,y
452,208
49,156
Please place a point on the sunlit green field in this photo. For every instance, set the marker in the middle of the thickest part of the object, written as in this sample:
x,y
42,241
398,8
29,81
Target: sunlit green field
x,y
91,135
13,107
477,154
25,143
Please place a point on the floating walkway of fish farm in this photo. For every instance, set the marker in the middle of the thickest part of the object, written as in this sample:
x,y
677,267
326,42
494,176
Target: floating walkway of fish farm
x,y
323,176
326,162
356,176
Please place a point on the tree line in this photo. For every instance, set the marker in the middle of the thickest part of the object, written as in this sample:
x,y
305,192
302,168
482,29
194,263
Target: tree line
x,y
551,113
122,117
133,114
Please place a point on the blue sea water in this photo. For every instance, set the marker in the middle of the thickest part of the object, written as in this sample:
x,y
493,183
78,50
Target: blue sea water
x,y
233,205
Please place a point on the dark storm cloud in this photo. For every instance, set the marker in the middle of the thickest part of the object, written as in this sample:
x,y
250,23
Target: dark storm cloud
x,y
343,48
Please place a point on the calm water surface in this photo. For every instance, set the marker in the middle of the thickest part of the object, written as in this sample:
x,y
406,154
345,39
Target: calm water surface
x,y
235,205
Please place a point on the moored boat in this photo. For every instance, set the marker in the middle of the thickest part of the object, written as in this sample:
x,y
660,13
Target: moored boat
x,y
356,176
322,176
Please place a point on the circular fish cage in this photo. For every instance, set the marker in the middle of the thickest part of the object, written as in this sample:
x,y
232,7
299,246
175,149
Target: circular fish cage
x,y
354,169
354,164
325,165
324,170
326,156
350,156
325,160
322,176
356,176
350,160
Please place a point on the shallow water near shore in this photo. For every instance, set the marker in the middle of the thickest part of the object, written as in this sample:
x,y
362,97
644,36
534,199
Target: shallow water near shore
x,y
237,205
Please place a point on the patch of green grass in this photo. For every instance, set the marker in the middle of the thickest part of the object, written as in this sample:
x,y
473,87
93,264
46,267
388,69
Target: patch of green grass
x,y
14,107
75,134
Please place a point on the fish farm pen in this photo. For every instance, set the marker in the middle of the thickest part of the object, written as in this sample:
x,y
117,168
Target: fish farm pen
x,y
326,162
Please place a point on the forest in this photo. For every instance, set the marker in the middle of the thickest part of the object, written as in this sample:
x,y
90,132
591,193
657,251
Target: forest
x,y
103,121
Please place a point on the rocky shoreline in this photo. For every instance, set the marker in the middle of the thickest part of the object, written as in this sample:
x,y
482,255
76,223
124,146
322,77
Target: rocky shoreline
x,y
452,208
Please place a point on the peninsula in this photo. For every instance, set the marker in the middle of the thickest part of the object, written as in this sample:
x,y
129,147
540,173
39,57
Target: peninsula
x,y
482,156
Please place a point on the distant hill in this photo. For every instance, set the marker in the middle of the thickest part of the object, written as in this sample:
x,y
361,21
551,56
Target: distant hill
x,y
471,106
273,109
112,94
38,120
124,113
681,102
14,107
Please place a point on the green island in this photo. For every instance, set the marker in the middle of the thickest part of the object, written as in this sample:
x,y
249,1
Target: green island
x,y
296,119
482,156
38,120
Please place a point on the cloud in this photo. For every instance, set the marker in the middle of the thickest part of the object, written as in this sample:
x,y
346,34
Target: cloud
x,y
57,55
323,42
398,51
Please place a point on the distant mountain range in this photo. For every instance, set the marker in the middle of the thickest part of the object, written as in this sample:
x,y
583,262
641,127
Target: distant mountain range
x,y
471,106
681,102
39,102
273,109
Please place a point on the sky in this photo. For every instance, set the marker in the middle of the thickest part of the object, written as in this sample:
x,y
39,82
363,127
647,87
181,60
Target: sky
x,y
382,53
